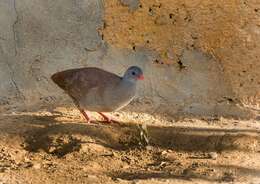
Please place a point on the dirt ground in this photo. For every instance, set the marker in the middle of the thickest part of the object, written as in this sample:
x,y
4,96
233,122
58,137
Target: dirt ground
x,y
59,147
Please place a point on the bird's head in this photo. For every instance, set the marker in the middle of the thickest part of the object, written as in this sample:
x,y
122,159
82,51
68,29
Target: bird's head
x,y
133,73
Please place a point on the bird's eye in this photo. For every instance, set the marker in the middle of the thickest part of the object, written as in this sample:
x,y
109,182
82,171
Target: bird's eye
x,y
133,73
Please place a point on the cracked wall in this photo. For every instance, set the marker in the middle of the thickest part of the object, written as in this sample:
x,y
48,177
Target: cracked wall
x,y
229,31
199,57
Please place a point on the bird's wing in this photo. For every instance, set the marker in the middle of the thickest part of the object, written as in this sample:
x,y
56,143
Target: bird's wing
x,y
78,82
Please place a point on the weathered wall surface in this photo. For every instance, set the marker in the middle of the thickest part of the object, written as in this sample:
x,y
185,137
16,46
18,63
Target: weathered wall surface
x,y
199,57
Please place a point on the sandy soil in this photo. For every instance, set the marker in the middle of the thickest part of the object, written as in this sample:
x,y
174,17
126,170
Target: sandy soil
x,y
59,147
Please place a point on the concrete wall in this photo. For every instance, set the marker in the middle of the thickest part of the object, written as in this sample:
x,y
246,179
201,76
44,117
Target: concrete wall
x,y
199,57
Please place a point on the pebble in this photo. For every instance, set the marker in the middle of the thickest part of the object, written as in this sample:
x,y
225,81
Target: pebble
x,y
52,149
164,153
37,166
92,177
110,153
188,173
149,148
27,164
213,155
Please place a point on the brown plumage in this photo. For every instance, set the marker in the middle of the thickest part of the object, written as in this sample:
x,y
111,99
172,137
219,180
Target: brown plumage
x,y
97,90
79,82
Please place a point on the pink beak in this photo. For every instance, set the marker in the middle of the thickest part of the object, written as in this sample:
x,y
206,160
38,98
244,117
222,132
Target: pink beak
x,y
140,77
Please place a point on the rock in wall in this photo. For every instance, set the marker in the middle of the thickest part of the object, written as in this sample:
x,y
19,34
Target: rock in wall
x,y
198,57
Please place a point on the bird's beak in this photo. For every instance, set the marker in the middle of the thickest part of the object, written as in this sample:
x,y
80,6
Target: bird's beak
x,y
140,77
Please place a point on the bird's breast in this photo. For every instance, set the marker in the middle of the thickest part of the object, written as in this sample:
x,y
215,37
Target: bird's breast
x,y
120,96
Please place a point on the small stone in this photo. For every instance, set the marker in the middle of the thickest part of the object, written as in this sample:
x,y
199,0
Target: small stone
x,y
84,148
27,164
164,153
110,153
92,177
213,155
228,177
126,167
52,149
37,166
188,172
149,148
93,147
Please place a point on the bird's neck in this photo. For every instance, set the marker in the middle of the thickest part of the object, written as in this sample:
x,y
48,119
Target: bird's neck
x,y
128,82
126,89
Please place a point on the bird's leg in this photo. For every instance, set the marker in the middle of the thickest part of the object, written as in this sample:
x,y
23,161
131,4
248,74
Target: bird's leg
x,y
106,117
85,114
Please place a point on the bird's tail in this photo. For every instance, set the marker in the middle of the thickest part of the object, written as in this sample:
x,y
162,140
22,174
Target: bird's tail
x,y
58,78
55,77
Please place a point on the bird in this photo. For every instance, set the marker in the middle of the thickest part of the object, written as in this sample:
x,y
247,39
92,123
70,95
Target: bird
x,y
94,89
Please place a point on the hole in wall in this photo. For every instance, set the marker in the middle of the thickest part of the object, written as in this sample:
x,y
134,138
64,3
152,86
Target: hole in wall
x,y
181,66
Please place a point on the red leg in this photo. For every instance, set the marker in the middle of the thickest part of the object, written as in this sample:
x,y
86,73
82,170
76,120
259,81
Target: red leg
x,y
86,115
106,117
83,112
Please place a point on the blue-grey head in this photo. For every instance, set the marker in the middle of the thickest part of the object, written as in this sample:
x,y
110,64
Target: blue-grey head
x,y
133,73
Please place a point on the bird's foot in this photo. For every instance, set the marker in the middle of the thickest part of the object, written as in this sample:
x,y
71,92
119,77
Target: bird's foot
x,y
86,115
107,118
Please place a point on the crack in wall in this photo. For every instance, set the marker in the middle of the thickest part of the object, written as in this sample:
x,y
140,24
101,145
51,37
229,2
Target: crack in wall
x,y
12,73
20,94
12,76
14,28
